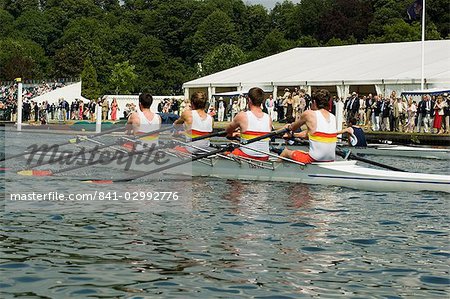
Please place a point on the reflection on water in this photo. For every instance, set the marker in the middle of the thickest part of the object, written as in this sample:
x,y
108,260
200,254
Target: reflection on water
x,y
228,239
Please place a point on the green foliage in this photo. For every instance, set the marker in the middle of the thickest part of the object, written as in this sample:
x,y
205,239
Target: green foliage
x,y
400,31
274,43
6,25
216,29
222,57
90,86
21,58
165,40
123,78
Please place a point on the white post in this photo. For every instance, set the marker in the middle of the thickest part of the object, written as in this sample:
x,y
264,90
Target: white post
x,y
186,93
19,104
98,120
275,92
211,91
339,114
422,80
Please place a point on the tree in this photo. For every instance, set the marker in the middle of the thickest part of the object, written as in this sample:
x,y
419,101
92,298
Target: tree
x,y
222,57
123,78
22,58
310,15
307,41
346,18
400,31
90,88
256,26
6,25
274,43
216,29
34,25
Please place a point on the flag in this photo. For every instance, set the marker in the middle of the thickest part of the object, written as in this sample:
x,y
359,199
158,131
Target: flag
x,y
414,10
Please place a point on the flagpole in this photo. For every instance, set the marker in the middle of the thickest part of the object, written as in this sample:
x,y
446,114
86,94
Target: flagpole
x,y
422,81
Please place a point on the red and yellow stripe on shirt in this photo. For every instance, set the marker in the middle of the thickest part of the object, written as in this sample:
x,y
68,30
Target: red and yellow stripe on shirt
x,y
247,135
152,137
323,137
194,134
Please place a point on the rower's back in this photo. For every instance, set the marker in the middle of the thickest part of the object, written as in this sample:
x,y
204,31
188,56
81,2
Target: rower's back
x,y
202,124
148,122
144,121
198,123
322,138
256,126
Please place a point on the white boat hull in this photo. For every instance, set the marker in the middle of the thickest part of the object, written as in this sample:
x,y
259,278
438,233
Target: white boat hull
x,y
339,173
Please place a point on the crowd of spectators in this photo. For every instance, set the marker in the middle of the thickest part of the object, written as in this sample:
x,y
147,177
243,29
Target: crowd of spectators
x,y
8,99
285,108
430,114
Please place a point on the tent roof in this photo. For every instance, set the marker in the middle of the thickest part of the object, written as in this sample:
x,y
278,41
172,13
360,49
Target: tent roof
x,y
391,63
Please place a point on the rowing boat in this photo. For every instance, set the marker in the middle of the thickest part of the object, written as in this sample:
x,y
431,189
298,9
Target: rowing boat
x,y
339,173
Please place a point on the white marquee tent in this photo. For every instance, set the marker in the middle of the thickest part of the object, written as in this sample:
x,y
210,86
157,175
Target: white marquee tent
x,y
387,67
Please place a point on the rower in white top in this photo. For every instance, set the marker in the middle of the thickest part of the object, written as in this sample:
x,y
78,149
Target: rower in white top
x,y
144,121
196,123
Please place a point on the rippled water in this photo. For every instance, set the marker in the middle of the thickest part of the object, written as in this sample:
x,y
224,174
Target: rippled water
x,y
228,239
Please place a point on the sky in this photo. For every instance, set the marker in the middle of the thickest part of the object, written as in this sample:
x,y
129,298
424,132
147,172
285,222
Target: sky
x,y
267,3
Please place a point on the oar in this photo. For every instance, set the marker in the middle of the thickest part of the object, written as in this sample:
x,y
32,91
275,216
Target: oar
x,y
341,153
34,172
230,147
70,141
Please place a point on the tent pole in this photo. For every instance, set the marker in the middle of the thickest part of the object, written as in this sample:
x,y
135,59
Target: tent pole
x,y
423,47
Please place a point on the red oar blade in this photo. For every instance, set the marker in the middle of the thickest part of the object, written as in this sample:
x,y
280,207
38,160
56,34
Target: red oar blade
x,y
98,181
34,172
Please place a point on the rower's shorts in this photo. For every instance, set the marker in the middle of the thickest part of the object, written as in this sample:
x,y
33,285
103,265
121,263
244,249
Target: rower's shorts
x,y
240,153
301,156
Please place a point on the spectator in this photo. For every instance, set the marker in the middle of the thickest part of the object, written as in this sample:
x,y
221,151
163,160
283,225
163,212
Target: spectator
x,y
221,110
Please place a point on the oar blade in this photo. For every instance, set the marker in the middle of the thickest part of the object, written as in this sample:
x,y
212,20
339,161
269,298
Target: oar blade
x,y
35,172
98,181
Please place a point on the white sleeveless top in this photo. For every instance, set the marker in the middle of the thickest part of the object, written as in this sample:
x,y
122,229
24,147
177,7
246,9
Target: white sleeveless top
x,y
147,126
200,127
256,127
322,144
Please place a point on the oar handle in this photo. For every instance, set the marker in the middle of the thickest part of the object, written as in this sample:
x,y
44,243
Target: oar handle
x,y
214,134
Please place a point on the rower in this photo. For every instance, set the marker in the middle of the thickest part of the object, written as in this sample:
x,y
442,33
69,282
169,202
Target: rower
x,y
321,128
356,136
143,121
252,123
196,123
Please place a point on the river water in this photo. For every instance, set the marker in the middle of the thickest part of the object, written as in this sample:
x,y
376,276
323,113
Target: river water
x,y
223,239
